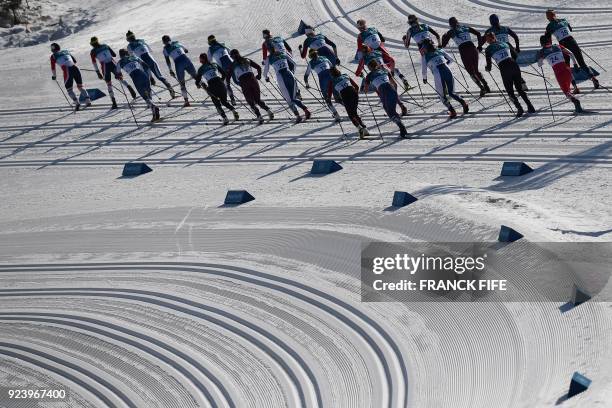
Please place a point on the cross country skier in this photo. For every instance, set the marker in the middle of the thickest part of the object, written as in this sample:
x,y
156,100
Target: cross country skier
x,y
71,73
276,43
460,34
242,73
374,40
503,34
139,72
321,66
105,55
561,29
321,43
555,55
349,97
437,60
420,32
182,63
386,88
369,55
505,57
286,82
141,49
219,53
215,86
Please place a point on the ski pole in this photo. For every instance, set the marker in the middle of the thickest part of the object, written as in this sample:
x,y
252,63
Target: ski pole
x,y
500,91
130,106
282,105
549,102
374,116
63,93
596,63
415,75
244,105
471,94
344,136
462,74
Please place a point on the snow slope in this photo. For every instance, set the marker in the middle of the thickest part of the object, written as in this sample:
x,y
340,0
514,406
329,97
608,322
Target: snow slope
x,y
144,292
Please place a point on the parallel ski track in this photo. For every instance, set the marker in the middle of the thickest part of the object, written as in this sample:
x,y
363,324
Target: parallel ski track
x,y
405,7
349,316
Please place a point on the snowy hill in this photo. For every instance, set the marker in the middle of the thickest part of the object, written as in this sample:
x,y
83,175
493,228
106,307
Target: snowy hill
x,y
161,297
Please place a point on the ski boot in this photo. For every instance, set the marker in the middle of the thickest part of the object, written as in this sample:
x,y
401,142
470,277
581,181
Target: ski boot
x,y
577,106
232,100
260,119
270,114
406,84
77,107
483,92
298,118
225,120
403,131
519,110
530,108
152,81
524,85
235,113
452,113
465,107
157,115
87,103
404,110
186,104
363,132
337,116
307,114
114,103
595,83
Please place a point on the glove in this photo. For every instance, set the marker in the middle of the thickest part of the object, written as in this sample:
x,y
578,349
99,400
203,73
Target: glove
x,y
488,68
53,77
337,61
300,47
518,50
258,77
99,75
424,80
307,85
172,74
404,38
576,67
198,85
267,79
204,87
118,77
479,48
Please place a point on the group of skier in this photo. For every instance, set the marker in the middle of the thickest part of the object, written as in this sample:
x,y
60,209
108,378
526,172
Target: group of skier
x,y
221,66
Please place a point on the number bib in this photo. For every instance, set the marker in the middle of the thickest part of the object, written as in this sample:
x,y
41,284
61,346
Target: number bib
x,y
562,33
241,70
462,37
502,37
342,84
321,67
64,60
318,43
139,50
379,81
280,64
421,36
104,56
211,74
372,41
132,66
502,55
555,58
435,61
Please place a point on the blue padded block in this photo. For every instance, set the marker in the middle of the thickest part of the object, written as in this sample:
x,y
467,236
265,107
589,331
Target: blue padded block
x,y
135,169
236,197
527,57
402,198
94,94
580,297
580,75
324,167
507,234
515,169
578,384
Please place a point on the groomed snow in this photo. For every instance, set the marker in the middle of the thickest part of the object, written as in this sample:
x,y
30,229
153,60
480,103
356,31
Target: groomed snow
x,y
150,294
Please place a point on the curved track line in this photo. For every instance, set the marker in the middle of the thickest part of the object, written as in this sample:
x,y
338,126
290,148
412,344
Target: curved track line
x,y
229,272
65,374
40,317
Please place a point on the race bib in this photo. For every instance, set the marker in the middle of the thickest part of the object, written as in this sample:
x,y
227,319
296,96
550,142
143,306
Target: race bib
x,y
104,56
64,60
240,70
435,61
280,64
139,50
502,37
372,41
318,43
555,58
462,37
210,74
378,81
342,84
321,67
421,36
562,33
502,55
177,52
131,67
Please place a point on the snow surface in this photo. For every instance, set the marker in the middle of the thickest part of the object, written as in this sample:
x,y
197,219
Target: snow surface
x,y
162,298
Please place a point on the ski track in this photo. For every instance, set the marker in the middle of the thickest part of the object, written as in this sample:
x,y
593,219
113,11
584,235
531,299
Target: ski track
x,y
188,307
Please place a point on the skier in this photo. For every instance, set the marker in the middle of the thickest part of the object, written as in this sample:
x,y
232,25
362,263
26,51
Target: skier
x,y
460,34
321,43
561,29
369,55
139,72
71,74
182,63
105,54
141,49
349,97
502,33
505,57
219,53
242,73
214,86
321,66
286,82
386,88
279,44
437,60
555,55
420,32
